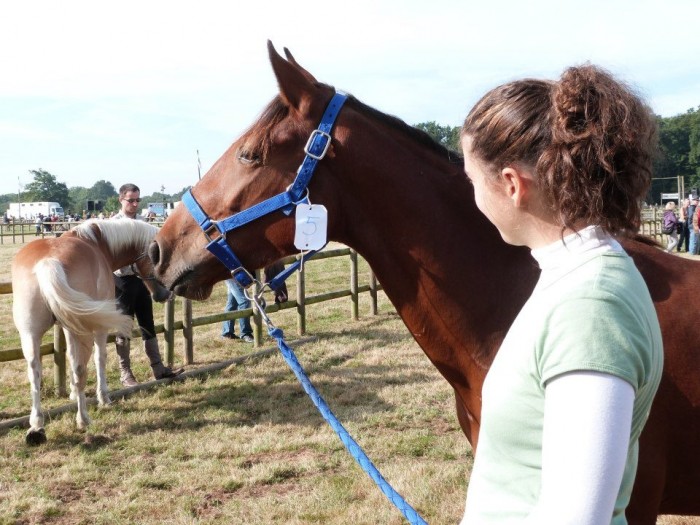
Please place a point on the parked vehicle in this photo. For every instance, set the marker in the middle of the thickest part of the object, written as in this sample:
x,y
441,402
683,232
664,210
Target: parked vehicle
x,y
159,210
31,210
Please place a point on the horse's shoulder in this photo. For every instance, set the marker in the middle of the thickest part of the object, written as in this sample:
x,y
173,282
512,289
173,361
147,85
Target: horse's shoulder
x,y
669,277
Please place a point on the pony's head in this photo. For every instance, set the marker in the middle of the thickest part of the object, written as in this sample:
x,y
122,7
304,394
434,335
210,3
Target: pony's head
x,y
126,243
260,164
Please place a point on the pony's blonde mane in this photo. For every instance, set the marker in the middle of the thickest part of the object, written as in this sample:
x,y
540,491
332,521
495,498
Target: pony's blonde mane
x,y
118,234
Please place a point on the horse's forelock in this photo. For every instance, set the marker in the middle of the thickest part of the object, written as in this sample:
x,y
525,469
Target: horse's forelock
x,y
256,140
118,234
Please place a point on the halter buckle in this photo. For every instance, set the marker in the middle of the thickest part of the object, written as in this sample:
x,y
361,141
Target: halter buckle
x,y
209,230
241,269
310,142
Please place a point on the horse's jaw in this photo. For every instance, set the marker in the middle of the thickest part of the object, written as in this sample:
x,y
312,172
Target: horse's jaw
x,y
188,283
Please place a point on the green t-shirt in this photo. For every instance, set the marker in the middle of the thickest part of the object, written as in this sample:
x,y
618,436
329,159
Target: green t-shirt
x,y
593,315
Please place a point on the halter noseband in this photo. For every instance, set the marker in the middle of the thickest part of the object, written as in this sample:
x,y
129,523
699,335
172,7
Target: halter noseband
x,y
136,271
315,149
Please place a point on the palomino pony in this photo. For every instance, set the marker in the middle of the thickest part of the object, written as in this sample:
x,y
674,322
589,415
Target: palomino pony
x,y
69,280
404,203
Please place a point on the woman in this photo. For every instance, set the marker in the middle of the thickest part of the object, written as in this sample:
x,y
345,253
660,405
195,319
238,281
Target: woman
x,y
670,226
562,167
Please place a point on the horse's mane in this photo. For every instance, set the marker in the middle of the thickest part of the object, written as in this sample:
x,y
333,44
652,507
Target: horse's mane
x,y
118,234
416,134
256,141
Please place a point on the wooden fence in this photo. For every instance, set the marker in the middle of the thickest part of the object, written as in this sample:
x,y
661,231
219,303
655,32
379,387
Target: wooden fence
x,y
652,223
24,231
186,325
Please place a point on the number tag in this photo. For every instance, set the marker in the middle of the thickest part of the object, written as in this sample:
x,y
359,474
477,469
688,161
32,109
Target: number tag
x,y
312,227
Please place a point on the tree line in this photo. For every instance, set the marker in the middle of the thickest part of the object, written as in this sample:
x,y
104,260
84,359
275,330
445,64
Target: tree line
x,y
100,197
678,153
678,156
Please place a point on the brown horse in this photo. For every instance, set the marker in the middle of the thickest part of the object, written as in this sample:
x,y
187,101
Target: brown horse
x,y
69,280
404,203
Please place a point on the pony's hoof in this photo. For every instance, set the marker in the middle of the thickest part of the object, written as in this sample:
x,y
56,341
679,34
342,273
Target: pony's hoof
x,y
104,401
36,437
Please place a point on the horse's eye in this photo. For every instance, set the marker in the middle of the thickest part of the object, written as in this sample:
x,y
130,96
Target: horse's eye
x,y
247,157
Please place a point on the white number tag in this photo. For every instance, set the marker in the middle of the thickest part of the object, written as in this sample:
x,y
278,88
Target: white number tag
x,y
312,227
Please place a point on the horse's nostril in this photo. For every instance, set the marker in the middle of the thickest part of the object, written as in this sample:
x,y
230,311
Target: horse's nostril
x,y
154,253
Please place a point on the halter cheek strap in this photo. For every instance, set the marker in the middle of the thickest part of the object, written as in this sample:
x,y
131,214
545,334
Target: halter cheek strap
x,y
316,148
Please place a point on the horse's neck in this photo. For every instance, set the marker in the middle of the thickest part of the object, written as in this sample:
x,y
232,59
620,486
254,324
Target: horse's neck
x,y
455,283
123,256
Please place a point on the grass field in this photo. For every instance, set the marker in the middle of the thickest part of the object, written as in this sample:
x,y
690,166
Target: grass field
x,y
245,445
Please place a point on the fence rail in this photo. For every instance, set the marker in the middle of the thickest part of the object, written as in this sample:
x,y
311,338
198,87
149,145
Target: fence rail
x,y
15,232
652,223
650,226
187,323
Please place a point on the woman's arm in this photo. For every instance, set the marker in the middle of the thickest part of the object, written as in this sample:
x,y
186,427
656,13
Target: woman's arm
x,y
587,422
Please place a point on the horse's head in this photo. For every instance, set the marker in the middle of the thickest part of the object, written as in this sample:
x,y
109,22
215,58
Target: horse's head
x,y
143,267
125,242
141,236
260,164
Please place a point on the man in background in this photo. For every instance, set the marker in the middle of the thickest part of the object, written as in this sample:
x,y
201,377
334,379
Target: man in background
x,y
134,299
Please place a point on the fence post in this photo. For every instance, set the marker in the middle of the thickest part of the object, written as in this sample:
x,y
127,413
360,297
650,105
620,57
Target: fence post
x,y
257,317
59,361
187,331
169,331
373,291
301,302
354,287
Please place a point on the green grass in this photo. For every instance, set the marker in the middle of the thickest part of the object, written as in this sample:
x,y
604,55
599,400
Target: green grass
x,y
245,445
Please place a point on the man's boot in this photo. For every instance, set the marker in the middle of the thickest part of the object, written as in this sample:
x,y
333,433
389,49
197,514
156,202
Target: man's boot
x,y
160,371
126,376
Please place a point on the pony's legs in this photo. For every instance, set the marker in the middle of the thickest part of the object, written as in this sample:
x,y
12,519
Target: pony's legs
x,y
79,352
30,348
100,361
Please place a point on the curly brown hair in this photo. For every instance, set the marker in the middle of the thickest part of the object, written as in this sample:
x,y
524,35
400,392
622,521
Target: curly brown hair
x,y
588,137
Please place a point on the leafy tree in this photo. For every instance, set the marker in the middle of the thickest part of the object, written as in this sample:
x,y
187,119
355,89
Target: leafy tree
x,y
77,196
44,187
679,152
175,197
694,144
445,135
112,204
102,190
5,201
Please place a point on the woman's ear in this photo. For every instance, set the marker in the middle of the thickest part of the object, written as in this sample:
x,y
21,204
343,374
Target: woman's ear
x,y
518,185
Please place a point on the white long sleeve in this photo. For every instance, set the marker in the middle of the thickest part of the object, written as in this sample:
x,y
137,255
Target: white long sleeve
x,y
585,443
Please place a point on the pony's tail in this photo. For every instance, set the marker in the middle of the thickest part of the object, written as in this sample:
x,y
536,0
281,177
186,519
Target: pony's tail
x,y
76,311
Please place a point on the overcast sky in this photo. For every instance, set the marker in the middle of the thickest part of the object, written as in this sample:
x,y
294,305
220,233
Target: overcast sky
x,y
129,91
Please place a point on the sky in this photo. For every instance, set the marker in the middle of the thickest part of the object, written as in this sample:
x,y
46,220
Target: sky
x,y
141,91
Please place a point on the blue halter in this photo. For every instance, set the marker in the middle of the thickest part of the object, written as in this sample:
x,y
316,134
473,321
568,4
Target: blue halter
x,y
316,148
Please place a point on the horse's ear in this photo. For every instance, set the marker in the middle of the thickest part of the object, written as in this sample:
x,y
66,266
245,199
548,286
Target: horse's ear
x,y
295,85
291,59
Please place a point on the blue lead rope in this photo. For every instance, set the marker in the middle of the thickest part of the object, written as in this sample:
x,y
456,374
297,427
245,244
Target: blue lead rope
x,y
350,444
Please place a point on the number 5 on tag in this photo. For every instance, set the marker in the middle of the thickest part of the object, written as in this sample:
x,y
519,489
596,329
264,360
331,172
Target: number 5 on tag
x,y
312,227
